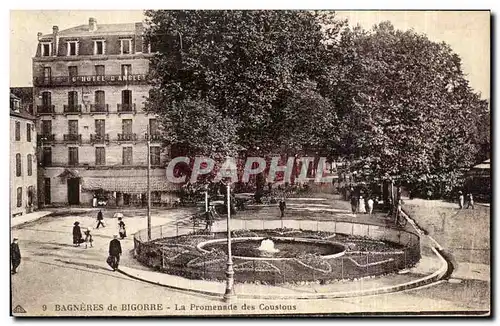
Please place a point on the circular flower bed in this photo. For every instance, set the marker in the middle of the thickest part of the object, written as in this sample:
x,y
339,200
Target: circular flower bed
x,y
329,256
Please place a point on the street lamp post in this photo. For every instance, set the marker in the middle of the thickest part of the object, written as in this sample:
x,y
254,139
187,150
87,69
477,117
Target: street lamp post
x,y
148,184
229,294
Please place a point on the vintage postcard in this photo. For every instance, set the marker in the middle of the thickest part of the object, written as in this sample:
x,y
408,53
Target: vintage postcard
x,y
250,163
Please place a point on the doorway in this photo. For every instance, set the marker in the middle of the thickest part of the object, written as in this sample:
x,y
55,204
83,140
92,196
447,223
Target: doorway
x,y
74,191
46,191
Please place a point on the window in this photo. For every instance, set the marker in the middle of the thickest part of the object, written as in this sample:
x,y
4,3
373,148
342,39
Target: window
x,y
127,155
46,127
99,98
100,156
72,48
46,100
126,100
99,47
155,155
73,71
30,195
100,127
73,127
127,126
126,46
100,70
73,100
73,156
18,165
153,126
28,132
18,131
126,70
46,49
19,196
47,156
30,164
47,74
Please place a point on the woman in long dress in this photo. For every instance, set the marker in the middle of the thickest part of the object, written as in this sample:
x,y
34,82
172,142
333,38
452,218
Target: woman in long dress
x,y
361,205
121,228
77,234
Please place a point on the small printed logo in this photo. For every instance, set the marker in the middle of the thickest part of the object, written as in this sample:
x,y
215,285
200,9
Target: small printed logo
x,y
19,310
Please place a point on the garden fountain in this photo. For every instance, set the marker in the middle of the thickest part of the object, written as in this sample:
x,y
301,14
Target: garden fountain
x,y
267,245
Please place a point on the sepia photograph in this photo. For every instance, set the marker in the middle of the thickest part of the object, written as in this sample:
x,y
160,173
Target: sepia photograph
x,y
250,163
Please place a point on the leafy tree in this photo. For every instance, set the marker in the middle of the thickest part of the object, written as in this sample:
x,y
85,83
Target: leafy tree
x,y
405,109
253,69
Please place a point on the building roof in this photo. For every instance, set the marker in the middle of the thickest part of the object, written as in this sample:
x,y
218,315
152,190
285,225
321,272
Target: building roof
x,y
22,114
102,29
485,165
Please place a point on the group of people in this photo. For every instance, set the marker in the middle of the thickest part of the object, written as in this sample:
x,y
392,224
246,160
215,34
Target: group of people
x,y
362,205
461,200
114,246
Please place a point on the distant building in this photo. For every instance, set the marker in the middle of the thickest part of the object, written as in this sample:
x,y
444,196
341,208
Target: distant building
x,y
23,162
90,88
478,181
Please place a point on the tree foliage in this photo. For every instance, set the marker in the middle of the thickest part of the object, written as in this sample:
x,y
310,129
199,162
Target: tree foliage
x,y
406,110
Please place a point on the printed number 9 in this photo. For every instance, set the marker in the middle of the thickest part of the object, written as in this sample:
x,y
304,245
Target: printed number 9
x,y
44,307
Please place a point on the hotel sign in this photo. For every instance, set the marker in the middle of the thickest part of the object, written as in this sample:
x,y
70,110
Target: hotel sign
x,y
108,79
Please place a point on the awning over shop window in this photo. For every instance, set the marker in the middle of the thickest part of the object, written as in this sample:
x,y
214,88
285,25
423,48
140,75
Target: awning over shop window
x,y
131,185
69,173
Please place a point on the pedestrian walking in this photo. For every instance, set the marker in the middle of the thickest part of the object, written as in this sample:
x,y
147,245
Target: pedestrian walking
x,y
209,220
115,250
282,206
88,238
77,234
354,203
100,219
361,207
370,206
460,200
15,255
470,201
121,228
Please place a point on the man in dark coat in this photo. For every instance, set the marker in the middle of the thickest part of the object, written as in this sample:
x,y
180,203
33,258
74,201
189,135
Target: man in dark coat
x,y
354,203
15,255
115,250
282,206
100,218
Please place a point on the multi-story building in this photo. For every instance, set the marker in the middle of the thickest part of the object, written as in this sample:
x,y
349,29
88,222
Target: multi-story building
x,y
23,167
90,88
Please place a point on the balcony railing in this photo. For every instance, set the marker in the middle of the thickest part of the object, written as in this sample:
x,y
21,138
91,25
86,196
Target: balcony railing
x,y
99,139
72,108
99,108
45,109
73,138
89,80
153,137
45,138
127,137
125,107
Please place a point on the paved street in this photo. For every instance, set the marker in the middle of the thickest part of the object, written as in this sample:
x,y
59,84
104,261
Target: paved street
x,y
61,274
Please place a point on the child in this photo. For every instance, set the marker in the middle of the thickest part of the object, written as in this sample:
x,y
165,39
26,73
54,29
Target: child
x,y
88,238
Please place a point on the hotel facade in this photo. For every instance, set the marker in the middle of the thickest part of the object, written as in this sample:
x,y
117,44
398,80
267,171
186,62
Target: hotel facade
x,y
90,88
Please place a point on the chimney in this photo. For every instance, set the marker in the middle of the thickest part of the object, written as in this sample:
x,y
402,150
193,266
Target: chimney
x,y
55,39
92,24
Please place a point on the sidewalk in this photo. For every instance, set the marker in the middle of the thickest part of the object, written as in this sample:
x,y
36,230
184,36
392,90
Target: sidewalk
x,y
18,220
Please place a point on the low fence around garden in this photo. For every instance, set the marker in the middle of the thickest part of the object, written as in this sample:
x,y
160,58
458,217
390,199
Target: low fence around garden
x,y
356,264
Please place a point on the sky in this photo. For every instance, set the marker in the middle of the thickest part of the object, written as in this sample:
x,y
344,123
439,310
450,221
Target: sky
x,y
467,32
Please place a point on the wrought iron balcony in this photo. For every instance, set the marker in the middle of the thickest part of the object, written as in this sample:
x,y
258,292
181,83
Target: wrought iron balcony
x,y
73,138
127,137
99,108
121,108
46,138
45,109
153,137
99,139
73,108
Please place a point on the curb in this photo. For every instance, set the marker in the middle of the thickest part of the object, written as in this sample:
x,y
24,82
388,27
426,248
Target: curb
x,y
425,281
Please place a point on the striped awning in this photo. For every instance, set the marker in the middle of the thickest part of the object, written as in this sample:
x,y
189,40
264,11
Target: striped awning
x,y
132,185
